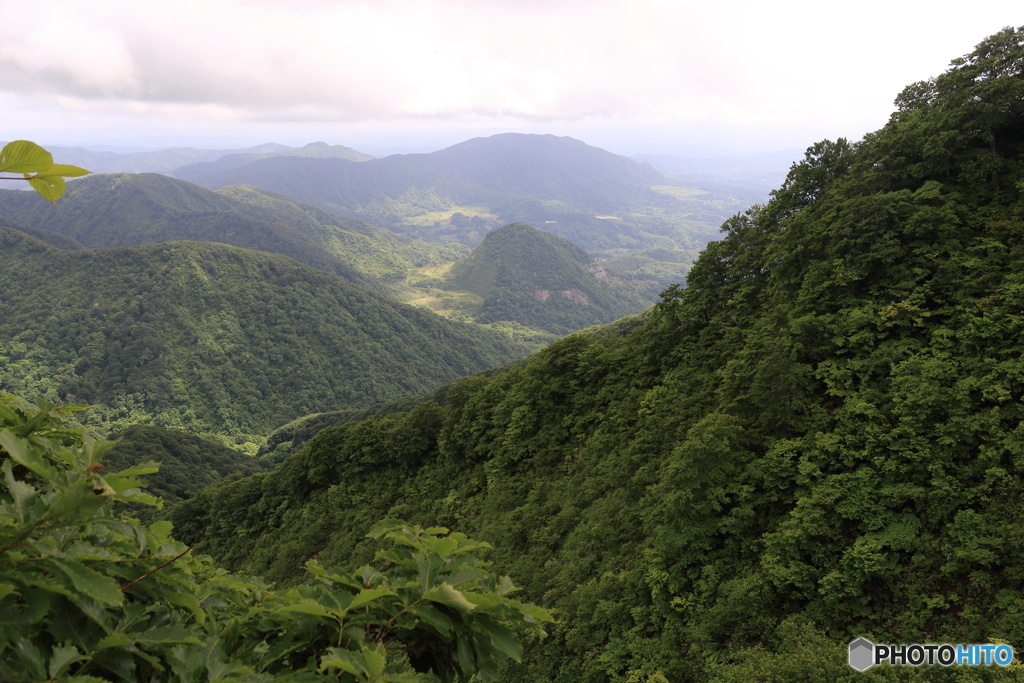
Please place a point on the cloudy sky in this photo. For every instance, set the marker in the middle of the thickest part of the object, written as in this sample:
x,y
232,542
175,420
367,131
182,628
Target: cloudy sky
x,y
644,76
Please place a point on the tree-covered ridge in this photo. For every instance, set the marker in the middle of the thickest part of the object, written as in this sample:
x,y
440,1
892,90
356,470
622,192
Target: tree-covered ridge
x,y
187,462
820,438
134,209
542,281
212,338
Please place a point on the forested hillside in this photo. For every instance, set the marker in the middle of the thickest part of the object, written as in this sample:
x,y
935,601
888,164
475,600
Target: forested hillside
x,y
542,281
819,438
212,338
133,209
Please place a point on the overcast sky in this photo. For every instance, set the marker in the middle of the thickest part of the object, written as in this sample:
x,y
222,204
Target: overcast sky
x,y
644,76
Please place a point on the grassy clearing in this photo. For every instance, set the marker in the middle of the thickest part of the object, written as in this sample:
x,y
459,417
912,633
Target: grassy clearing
x,y
442,216
678,192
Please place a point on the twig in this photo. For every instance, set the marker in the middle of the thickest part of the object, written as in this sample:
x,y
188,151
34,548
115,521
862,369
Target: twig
x,y
155,570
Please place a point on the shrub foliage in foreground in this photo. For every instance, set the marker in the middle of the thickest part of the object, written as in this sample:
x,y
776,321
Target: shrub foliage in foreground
x,y
88,596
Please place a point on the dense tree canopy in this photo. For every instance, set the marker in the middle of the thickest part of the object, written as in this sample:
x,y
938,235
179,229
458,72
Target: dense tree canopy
x,y
819,438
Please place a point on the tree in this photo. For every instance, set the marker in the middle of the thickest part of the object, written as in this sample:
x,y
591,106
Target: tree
x,y
37,167
87,595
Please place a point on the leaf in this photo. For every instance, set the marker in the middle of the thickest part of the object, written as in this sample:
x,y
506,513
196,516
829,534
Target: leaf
x,y
375,659
7,589
162,528
346,660
67,170
368,594
63,656
431,617
384,526
51,187
502,638
100,588
446,595
167,634
22,156
116,640
21,452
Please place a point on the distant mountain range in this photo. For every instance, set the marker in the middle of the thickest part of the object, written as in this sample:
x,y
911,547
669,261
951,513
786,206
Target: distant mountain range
x,y
603,202
134,209
212,338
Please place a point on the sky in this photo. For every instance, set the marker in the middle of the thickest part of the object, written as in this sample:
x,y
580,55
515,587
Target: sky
x,y
729,77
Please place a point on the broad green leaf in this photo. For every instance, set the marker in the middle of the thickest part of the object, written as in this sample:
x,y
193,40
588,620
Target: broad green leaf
x,y
167,634
22,156
51,187
7,589
189,602
430,616
314,568
346,660
162,528
67,170
369,594
374,659
115,640
384,526
78,499
63,656
101,588
21,494
502,637
305,607
21,452
447,595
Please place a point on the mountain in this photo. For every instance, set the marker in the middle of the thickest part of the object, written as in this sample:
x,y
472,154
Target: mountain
x,y
818,439
599,200
134,209
188,463
211,338
228,162
160,161
539,280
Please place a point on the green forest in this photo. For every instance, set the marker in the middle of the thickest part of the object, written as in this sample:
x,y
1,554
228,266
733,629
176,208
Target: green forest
x,y
819,437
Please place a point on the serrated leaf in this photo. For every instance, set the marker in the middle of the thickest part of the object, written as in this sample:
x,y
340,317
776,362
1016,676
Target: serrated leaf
x,y
502,637
384,526
314,568
369,594
100,588
116,640
447,595
63,656
21,452
346,660
51,187
167,634
374,659
430,616
22,156
7,589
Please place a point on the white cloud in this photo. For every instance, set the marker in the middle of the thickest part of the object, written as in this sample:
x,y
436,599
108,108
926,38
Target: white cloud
x,y
737,62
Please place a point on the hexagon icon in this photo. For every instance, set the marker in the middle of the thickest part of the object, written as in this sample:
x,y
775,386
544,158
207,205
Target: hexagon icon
x,y
862,654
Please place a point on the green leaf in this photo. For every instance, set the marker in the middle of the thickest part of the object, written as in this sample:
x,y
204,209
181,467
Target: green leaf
x,y
346,660
375,659
51,187
502,638
368,594
446,595
430,616
21,452
384,526
63,656
22,156
100,588
116,640
7,589
162,528
67,170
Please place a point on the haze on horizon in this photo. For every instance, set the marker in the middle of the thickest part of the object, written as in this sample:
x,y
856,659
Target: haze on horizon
x,y
646,76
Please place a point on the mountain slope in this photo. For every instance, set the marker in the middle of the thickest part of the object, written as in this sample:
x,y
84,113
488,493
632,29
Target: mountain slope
x,y
212,338
541,281
135,209
820,438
